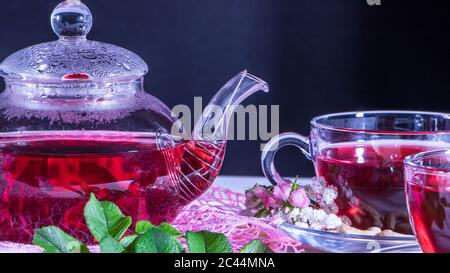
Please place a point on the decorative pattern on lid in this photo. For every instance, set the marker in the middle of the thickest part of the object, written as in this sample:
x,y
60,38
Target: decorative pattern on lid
x,y
73,57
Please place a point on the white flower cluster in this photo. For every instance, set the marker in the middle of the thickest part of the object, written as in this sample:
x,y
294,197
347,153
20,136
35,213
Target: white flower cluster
x,y
314,218
323,195
321,213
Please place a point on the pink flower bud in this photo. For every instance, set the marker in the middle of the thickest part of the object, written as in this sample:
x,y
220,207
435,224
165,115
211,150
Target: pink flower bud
x,y
282,191
299,199
266,198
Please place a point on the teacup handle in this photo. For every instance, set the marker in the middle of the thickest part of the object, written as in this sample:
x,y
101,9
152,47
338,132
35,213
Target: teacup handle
x,y
274,145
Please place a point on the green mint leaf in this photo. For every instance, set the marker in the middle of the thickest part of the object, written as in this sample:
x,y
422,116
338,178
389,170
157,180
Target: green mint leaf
x,y
208,242
143,227
55,240
143,244
105,218
255,246
128,240
165,242
110,245
156,241
170,229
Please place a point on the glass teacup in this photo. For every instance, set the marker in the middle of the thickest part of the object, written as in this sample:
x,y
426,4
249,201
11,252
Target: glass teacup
x,y
427,177
361,154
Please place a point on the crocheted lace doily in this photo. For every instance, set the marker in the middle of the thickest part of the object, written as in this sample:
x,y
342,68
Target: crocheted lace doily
x,y
218,211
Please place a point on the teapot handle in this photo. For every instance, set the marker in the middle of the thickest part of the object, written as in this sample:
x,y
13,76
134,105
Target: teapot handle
x,y
274,145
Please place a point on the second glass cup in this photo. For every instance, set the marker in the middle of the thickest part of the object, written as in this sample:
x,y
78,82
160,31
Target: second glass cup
x,y
362,153
427,177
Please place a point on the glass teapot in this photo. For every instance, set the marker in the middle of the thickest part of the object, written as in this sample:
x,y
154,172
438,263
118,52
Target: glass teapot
x,y
75,120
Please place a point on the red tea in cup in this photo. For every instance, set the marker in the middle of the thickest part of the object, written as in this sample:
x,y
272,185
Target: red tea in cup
x,y
369,178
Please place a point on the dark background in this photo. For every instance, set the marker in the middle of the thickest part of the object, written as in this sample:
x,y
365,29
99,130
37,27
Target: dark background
x,y
319,56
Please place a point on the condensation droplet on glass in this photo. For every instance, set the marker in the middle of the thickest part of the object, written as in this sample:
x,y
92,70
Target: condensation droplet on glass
x,y
84,50
126,66
42,68
90,56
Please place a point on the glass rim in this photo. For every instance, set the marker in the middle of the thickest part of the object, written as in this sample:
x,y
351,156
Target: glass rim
x,y
315,122
415,162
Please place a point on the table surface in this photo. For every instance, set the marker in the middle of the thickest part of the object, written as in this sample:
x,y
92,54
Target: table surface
x,y
240,183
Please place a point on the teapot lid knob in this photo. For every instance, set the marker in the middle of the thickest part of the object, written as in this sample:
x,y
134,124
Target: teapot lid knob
x,y
71,19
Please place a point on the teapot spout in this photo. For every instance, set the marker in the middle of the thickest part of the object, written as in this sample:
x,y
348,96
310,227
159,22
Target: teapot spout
x,y
214,122
203,155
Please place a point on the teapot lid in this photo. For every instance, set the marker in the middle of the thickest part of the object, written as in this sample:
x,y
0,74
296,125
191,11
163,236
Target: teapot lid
x,y
73,58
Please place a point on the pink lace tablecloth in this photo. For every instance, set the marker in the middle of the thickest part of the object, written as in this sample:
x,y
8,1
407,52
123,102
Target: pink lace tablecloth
x,y
216,211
